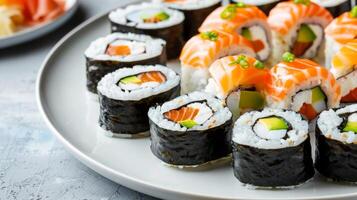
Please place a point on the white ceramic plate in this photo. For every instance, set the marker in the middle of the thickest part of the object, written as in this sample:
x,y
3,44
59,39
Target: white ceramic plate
x,y
72,117
34,32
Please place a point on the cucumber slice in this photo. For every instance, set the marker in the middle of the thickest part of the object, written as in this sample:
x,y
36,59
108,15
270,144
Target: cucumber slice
x,y
351,126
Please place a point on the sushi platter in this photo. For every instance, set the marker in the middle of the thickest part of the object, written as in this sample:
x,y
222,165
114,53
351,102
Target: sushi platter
x,y
203,100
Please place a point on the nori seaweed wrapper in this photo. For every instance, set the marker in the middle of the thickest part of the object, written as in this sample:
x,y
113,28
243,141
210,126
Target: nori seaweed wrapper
x,y
339,9
191,147
103,67
194,19
173,36
334,159
130,117
273,167
266,8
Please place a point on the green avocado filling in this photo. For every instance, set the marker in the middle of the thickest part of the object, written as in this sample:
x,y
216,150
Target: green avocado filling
x,y
317,95
304,41
246,33
188,123
158,17
351,126
251,100
274,123
130,79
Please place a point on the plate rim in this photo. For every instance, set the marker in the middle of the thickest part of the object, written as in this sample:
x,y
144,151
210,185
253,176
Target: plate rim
x,y
39,30
106,171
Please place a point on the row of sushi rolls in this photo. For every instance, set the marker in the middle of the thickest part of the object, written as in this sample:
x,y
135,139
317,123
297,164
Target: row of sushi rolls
x,y
260,81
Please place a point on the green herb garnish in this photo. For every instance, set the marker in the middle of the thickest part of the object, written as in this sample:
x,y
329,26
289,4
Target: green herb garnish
x,y
209,35
242,61
354,12
305,2
229,12
288,57
241,5
258,64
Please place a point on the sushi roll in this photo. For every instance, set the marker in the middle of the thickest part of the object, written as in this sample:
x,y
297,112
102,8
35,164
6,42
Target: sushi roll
x,y
118,50
240,81
341,30
151,19
336,7
344,68
195,12
126,95
202,50
298,27
271,149
264,5
336,140
191,130
303,86
243,19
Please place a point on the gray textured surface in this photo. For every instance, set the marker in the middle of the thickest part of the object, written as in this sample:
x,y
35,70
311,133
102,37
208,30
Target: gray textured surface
x,y
33,164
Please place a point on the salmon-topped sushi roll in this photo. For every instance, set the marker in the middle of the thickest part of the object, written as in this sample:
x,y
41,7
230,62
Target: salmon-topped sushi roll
x,y
344,67
202,50
246,20
303,86
240,81
298,27
341,30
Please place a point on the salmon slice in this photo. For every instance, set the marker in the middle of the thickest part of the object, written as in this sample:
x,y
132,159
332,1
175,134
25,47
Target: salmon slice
x,y
201,51
182,114
350,97
239,17
118,50
153,76
286,15
342,29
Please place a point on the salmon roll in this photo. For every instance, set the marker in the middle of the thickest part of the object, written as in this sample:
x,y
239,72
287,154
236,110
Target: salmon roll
x,y
336,144
344,68
264,5
151,19
271,149
303,86
336,7
246,20
240,81
202,50
192,130
341,30
126,95
195,12
118,50
298,27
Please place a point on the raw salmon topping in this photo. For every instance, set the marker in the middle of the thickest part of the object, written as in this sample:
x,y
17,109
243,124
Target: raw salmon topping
x,y
182,114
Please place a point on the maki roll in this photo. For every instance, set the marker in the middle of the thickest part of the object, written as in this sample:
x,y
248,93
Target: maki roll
x,y
303,86
117,50
202,50
195,12
240,81
246,20
126,95
341,30
151,19
336,140
344,68
336,7
190,130
298,26
271,149
264,5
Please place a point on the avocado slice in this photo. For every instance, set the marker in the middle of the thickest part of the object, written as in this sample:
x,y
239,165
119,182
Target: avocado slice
x,y
246,33
351,126
305,34
274,123
130,79
188,123
317,95
251,99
